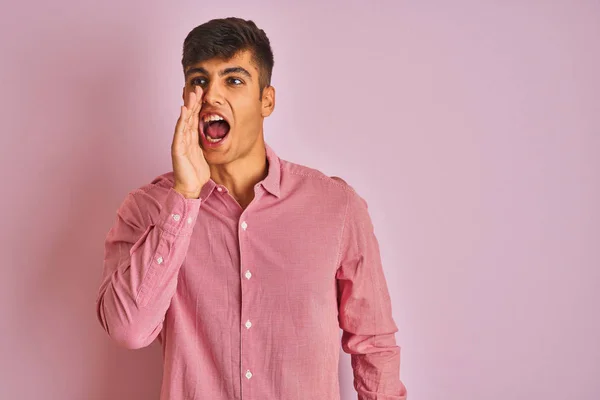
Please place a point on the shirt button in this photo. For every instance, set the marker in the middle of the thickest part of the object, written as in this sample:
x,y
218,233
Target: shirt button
x,y
244,225
248,374
248,324
159,260
248,275
176,217
219,189
190,219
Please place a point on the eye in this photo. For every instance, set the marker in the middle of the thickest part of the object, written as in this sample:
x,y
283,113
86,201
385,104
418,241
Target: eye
x,y
198,81
235,81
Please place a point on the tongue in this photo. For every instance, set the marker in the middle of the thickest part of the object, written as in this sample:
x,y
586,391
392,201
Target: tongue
x,y
217,129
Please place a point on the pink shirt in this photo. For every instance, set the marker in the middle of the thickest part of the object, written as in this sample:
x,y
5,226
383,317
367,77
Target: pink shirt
x,y
248,304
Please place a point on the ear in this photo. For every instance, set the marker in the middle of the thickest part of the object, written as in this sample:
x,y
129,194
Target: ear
x,y
268,101
183,94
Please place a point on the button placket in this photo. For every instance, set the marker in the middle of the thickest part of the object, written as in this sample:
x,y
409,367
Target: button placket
x,y
247,274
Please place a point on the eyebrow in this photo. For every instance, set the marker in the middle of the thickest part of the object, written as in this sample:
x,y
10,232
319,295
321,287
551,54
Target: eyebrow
x,y
226,71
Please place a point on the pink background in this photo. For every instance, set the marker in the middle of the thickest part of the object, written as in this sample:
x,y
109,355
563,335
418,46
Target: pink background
x,y
472,131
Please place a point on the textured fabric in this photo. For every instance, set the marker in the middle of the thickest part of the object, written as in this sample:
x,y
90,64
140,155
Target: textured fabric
x,y
248,304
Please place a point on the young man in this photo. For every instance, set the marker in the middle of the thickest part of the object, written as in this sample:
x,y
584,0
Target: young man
x,y
243,265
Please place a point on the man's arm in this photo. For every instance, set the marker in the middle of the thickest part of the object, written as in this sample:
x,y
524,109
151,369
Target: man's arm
x,y
365,313
144,251
148,242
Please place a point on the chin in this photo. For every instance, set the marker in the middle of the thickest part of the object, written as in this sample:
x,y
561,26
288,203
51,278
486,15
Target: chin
x,y
217,156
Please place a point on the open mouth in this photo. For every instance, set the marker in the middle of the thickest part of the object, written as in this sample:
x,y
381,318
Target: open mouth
x,y
214,128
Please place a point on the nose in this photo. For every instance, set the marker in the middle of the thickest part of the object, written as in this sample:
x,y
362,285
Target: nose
x,y
212,94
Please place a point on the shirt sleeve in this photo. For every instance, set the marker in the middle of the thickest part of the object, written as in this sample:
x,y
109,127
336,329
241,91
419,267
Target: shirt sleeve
x,y
365,313
144,251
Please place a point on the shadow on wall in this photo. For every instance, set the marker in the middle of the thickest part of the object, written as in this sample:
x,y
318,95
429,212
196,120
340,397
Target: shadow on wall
x,y
82,101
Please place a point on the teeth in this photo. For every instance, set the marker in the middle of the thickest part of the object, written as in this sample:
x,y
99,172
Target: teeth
x,y
212,117
209,118
211,140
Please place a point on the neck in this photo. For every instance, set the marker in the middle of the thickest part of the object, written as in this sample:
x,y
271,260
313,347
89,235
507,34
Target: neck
x,y
241,175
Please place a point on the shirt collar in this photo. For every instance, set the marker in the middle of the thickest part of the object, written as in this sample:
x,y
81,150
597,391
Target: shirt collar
x,y
271,183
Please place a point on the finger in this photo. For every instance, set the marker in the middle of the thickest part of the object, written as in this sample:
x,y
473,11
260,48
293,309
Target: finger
x,y
193,109
187,99
179,135
196,121
190,106
198,94
194,137
194,129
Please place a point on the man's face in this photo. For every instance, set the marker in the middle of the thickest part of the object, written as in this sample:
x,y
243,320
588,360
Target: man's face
x,y
231,117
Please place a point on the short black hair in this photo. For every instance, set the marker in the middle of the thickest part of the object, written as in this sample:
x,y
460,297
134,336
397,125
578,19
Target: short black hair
x,y
223,38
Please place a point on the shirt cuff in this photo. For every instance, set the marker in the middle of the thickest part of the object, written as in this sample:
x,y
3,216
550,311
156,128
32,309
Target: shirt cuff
x,y
178,214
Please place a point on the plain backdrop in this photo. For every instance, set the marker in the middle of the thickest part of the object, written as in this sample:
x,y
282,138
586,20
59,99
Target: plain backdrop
x,y
470,127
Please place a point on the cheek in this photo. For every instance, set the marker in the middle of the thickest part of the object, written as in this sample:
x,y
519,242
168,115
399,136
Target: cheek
x,y
247,111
